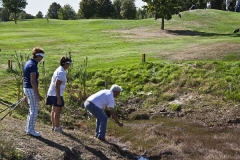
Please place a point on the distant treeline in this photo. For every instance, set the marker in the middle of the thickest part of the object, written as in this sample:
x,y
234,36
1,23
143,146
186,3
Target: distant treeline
x,y
116,9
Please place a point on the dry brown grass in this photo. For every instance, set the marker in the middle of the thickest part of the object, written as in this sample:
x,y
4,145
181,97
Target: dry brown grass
x,y
214,51
141,34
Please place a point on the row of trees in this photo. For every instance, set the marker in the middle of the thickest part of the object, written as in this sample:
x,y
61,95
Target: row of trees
x,y
125,9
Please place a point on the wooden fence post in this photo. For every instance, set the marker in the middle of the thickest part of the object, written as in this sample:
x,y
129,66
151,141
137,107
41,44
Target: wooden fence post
x,y
10,64
106,84
143,57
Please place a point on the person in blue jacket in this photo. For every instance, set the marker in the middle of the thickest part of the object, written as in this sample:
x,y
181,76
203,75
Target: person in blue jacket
x,y
30,88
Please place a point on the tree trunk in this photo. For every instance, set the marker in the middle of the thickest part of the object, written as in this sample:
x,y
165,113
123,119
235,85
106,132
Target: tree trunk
x,y
163,14
162,25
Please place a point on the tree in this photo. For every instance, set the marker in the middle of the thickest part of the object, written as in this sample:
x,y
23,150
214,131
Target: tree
x,y
141,13
88,8
163,9
105,8
22,15
39,15
117,9
128,9
29,16
53,10
4,14
66,13
14,6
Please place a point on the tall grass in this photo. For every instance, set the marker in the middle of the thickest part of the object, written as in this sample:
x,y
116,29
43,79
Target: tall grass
x,y
81,75
46,78
18,71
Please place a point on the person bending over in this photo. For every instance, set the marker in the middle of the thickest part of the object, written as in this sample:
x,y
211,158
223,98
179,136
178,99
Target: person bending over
x,y
95,105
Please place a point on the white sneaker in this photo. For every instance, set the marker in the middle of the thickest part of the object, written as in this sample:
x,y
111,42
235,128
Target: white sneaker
x,y
34,133
58,129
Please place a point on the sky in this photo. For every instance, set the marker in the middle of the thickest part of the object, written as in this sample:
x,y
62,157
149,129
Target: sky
x,y
34,6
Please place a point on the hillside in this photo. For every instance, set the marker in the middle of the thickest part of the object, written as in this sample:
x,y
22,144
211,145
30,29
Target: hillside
x,y
182,103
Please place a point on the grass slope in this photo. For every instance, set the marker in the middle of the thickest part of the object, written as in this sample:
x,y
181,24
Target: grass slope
x,y
196,58
199,34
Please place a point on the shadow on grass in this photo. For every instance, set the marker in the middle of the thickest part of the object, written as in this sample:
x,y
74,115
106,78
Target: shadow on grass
x,y
95,152
69,154
197,33
124,153
115,148
52,144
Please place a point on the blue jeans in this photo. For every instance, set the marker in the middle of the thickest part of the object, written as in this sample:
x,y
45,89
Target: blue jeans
x,y
237,8
101,119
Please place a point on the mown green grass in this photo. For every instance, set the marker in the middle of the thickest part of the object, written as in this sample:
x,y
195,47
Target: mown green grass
x,y
118,59
91,37
107,49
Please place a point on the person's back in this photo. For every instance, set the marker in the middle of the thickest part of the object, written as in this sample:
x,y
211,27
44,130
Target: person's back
x,y
95,104
237,7
102,99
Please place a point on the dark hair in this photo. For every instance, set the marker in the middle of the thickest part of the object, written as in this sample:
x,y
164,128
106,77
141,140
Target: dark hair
x,y
64,59
37,50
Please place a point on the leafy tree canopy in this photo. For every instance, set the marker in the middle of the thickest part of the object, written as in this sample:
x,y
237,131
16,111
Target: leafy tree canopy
x,y
88,8
162,8
66,13
39,15
14,6
105,9
128,9
53,10
4,14
117,8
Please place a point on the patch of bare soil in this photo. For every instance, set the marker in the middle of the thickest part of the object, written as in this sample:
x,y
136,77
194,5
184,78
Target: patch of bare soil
x,y
141,34
199,51
74,144
213,51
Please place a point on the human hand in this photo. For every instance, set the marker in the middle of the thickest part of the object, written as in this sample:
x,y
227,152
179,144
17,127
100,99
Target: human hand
x,y
59,102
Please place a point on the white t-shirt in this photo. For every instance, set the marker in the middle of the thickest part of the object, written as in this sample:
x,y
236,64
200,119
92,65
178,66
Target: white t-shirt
x,y
237,2
59,74
102,99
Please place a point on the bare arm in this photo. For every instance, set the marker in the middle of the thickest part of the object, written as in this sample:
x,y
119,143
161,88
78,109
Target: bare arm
x,y
34,85
115,117
57,86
